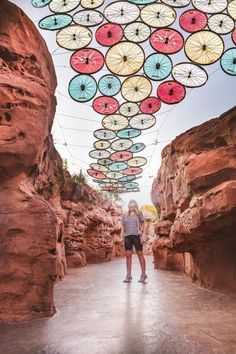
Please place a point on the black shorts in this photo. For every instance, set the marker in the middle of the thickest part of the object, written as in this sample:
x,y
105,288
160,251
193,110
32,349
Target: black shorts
x,y
132,240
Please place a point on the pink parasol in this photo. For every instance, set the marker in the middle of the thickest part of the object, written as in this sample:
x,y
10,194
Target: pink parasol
x,y
171,92
87,61
193,20
150,105
121,156
105,105
95,174
109,34
133,171
167,40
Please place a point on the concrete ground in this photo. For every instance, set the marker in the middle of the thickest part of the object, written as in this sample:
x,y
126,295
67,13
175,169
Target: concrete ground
x,y
99,314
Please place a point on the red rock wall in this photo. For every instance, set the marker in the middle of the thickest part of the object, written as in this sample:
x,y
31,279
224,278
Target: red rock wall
x,y
46,220
195,193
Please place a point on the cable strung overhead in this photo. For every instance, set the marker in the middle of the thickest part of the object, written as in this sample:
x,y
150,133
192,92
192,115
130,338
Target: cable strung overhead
x,y
124,49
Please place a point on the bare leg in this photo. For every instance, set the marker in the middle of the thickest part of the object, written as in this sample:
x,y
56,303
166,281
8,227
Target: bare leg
x,y
128,262
142,261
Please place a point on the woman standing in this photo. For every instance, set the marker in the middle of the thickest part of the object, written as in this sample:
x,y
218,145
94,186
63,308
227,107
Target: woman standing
x,y
132,225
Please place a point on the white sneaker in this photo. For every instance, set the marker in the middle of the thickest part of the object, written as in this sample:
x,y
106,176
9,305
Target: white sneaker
x,y
128,279
143,277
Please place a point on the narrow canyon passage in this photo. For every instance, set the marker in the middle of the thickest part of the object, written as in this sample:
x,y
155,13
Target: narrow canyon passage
x,y
98,313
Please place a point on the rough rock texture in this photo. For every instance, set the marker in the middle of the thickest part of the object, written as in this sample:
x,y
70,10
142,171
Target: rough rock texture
x,y
149,230
40,206
195,193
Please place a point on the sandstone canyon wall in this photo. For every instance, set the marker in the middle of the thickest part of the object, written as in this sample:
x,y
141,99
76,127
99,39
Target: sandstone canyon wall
x,y
195,195
47,221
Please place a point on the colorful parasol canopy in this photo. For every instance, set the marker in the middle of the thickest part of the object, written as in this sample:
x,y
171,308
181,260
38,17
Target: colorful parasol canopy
x,y
118,166
74,37
234,36
150,105
120,156
177,3
128,133
131,185
55,22
105,105
88,18
99,154
231,8
104,134
167,40
121,144
171,92
96,174
136,88
127,178
109,34
62,6
121,12
137,147
40,3
82,88
131,171
125,58
204,47
228,61
137,161
109,85
97,167
189,74
129,109
221,24
87,61
193,20
114,175
115,122
211,7
157,67
101,144
137,32
158,15
104,162
142,121
91,4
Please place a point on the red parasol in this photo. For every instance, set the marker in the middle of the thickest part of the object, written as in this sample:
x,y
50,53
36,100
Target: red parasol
x,y
171,92
87,61
167,41
150,105
109,34
193,20
105,105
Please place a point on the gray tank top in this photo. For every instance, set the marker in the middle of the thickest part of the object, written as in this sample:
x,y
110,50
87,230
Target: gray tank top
x,y
131,223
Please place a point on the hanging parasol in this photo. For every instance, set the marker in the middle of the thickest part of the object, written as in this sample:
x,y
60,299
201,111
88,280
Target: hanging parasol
x,y
137,147
104,162
150,105
221,24
129,109
105,105
40,3
82,88
109,85
118,166
204,47
125,58
101,144
121,12
128,133
121,144
96,174
133,171
109,34
104,134
61,6
114,175
171,92
88,18
189,74
137,161
91,4
137,32
115,122
87,61
74,37
176,3
99,154
233,36
231,8
157,66
120,156
131,185
142,2
228,61
167,40
158,15
136,88
211,7
127,178
97,167
109,188
55,22
193,21
142,121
